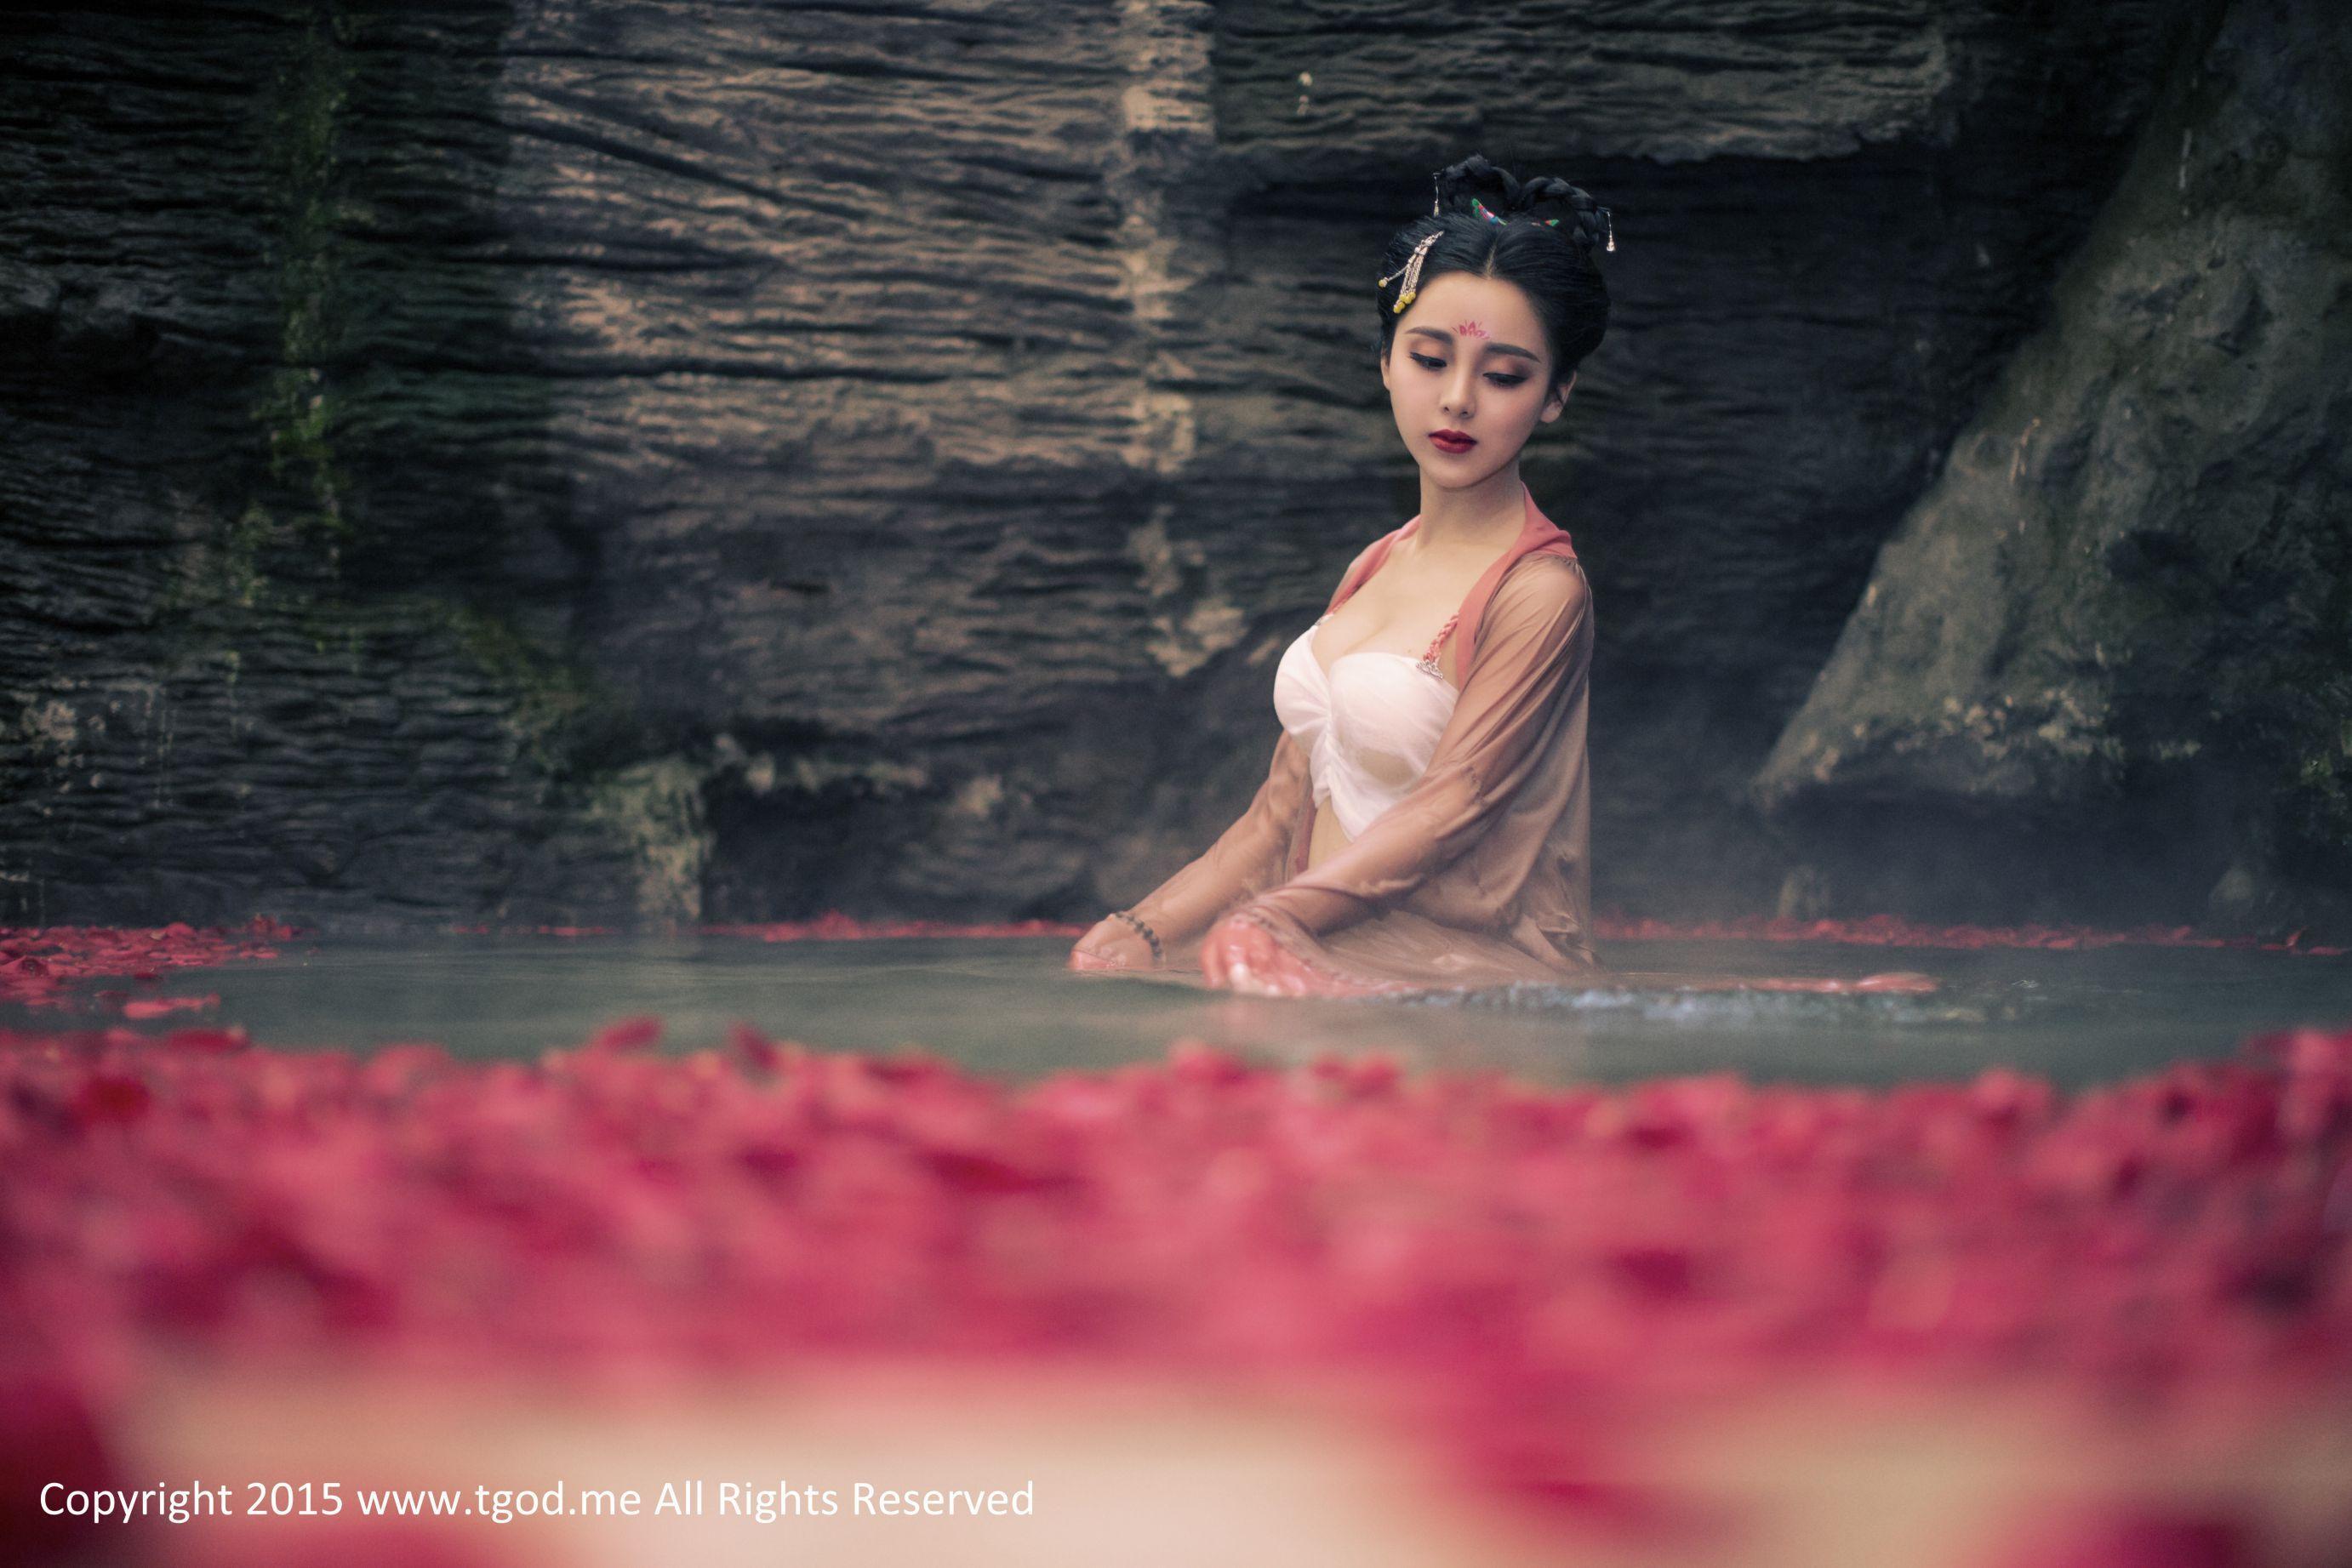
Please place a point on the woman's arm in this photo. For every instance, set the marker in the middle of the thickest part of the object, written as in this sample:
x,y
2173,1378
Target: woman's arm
x,y
1535,649
1247,859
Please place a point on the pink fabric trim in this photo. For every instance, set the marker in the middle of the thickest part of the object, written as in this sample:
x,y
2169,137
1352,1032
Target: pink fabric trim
x,y
1430,657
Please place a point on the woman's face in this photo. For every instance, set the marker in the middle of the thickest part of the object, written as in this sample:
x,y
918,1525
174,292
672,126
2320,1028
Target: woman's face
x,y
1469,356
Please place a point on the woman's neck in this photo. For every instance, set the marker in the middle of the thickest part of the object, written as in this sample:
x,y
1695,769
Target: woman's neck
x,y
1480,519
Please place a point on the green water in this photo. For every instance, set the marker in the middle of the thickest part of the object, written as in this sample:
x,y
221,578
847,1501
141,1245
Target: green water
x,y
1006,1006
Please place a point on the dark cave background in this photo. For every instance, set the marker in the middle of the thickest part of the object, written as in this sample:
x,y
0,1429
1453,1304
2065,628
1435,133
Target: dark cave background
x,y
639,463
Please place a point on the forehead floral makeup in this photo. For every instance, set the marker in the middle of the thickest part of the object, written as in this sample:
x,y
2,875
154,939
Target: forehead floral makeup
x,y
1469,330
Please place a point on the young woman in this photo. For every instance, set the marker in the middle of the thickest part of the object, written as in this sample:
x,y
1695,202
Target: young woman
x,y
1426,818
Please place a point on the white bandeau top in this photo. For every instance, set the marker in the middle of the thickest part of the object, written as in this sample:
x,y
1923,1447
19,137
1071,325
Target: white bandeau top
x,y
1369,727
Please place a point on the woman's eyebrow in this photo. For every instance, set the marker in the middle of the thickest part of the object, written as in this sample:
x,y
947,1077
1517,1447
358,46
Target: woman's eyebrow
x,y
1491,348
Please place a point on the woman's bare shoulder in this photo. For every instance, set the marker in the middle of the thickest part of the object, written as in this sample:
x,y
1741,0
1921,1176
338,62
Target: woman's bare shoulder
x,y
1362,556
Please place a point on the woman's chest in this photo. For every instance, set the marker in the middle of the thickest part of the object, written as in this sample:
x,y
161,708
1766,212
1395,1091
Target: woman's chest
x,y
1397,615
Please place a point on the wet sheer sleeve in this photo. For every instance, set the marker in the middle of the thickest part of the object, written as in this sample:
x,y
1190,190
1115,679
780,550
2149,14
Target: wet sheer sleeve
x,y
1534,649
1247,859
1254,854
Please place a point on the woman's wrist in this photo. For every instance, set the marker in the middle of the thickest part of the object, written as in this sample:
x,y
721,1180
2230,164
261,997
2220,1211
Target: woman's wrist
x,y
1158,954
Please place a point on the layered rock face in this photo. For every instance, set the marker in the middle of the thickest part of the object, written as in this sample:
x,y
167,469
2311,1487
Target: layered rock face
x,y
597,462
2105,663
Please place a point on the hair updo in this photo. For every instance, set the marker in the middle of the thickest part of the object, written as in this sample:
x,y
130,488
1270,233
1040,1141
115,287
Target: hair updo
x,y
1552,263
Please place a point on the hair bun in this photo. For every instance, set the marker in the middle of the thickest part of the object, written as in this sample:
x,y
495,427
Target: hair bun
x,y
1476,178
1569,208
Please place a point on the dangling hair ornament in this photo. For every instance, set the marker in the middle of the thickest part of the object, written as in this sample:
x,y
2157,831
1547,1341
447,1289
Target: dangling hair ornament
x,y
1412,271
1608,227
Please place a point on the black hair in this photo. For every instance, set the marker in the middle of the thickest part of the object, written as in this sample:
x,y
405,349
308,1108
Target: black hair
x,y
1545,244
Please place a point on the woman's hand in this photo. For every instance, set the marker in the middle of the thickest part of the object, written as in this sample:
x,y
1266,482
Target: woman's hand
x,y
1242,956
1113,943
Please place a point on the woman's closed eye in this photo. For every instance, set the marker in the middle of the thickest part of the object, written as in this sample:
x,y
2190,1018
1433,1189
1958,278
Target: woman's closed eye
x,y
1499,379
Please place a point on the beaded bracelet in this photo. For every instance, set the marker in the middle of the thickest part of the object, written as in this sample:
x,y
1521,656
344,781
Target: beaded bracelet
x,y
1159,958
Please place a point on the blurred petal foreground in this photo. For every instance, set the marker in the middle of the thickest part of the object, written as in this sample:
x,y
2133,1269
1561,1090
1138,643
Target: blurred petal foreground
x,y
1199,1310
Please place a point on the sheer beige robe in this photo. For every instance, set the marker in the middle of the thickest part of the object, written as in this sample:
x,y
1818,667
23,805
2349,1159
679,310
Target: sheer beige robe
x,y
1481,874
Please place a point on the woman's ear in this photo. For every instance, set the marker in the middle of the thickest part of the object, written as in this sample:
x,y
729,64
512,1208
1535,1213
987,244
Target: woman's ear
x,y
1556,404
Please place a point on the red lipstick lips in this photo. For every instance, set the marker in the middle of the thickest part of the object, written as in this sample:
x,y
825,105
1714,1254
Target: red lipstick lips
x,y
1452,441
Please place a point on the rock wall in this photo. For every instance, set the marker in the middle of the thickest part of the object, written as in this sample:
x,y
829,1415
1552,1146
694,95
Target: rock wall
x,y
584,462
2105,663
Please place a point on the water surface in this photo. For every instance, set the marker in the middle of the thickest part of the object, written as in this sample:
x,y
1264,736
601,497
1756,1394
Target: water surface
x,y
1006,1006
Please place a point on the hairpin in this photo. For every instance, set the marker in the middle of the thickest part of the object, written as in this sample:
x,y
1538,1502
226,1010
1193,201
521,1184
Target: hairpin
x,y
1412,271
